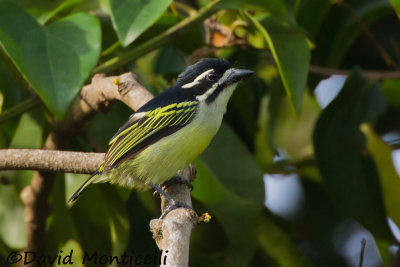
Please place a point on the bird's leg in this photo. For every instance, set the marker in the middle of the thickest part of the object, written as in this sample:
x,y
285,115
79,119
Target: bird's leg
x,y
177,179
175,204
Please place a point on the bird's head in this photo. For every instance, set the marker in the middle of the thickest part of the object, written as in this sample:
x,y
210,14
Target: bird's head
x,y
211,80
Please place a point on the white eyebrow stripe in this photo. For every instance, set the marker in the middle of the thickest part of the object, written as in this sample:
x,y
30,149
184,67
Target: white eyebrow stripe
x,y
224,77
197,80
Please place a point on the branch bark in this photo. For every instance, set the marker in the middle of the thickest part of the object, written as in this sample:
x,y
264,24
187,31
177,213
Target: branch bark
x,y
50,160
172,234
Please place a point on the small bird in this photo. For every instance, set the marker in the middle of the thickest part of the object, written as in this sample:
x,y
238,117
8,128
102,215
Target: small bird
x,y
171,130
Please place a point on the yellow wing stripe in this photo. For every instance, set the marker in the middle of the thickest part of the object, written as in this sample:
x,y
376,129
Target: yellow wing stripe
x,y
155,114
137,136
144,134
157,119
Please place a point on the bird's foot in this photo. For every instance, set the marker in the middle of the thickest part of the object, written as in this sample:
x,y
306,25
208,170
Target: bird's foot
x,y
175,204
168,183
177,179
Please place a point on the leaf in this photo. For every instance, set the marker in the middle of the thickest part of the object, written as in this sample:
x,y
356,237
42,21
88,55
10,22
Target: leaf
x,y
263,152
56,59
169,61
390,180
44,18
278,245
230,183
277,7
349,174
88,219
109,216
312,13
391,90
61,229
12,225
28,134
293,133
132,17
396,6
291,52
234,166
341,28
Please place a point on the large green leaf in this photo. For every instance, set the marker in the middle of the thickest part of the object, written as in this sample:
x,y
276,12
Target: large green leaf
x,y
349,173
132,17
291,53
230,183
389,178
55,59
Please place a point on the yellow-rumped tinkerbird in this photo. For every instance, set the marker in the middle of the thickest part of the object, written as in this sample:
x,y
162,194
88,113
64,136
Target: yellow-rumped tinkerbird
x,y
171,130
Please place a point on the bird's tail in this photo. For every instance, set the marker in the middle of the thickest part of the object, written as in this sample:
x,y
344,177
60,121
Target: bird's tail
x,y
83,186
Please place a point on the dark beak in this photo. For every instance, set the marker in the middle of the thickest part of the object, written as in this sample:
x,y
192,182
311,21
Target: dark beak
x,y
239,75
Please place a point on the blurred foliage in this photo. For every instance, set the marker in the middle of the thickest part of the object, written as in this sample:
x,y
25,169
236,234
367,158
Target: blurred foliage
x,y
341,154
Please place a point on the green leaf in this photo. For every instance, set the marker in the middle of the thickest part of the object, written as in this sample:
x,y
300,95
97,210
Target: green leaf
x,y
60,224
391,89
390,180
56,59
278,245
28,134
230,183
291,52
293,133
132,17
349,173
12,225
235,166
44,18
277,7
311,14
109,216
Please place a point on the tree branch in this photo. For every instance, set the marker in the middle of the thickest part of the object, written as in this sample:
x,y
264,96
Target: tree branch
x,y
50,160
172,234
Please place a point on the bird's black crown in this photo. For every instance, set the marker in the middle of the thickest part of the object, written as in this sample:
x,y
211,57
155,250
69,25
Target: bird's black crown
x,y
191,72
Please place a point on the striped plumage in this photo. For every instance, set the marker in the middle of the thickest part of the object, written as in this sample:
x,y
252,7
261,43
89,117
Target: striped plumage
x,y
172,129
139,131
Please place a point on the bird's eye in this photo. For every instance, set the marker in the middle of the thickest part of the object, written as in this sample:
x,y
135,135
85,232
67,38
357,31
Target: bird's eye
x,y
211,77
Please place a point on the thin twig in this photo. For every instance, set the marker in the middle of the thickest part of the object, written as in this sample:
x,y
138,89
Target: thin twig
x,y
362,252
385,55
22,107
369,74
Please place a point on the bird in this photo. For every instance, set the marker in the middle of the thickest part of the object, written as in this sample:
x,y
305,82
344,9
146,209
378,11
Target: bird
x,y
167,133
